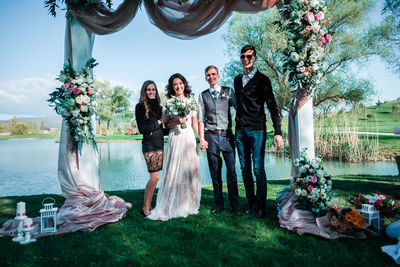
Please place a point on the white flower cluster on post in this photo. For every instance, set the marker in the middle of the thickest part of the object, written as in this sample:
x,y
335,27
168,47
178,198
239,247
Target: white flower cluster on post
x,y
307,41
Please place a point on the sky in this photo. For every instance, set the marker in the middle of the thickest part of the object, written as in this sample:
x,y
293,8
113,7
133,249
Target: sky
x,y
32,54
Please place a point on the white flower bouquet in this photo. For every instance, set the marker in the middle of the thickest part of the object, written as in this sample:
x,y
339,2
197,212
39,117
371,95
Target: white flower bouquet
x,y
180,106
75,101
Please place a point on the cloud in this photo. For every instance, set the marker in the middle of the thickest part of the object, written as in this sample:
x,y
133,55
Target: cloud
x,y
27,96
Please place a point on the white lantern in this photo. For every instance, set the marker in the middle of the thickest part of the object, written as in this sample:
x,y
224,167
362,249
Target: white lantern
x,y
371,216
48,216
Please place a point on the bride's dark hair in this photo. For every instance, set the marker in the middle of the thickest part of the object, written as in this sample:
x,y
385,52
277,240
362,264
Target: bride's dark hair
x,y
145,100
170,90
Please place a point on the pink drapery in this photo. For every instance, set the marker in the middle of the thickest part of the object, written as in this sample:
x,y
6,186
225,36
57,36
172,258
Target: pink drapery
x,y
185,21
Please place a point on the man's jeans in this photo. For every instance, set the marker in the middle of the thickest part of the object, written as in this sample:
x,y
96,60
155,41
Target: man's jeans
x,y
251,148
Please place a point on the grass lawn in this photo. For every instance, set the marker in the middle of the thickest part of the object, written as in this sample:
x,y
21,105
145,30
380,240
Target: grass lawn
x,y
203,239
30,136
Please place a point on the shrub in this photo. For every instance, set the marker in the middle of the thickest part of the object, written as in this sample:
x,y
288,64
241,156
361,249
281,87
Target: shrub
x,y
369,115
1,128
395,109
20,128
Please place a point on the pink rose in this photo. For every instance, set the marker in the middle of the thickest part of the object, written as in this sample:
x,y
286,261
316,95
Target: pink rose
x,y
315,30
310,188
322,40
322,32
308,28
328,38
314,179
382,196
309,14
79,106
67,84
71,90
313,37
319,16
90,91
378,202
360,195
77,91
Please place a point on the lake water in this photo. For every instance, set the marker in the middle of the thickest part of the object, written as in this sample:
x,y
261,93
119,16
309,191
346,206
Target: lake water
x,y
29,167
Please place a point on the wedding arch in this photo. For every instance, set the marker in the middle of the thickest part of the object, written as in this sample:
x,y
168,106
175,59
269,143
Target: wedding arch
x,y
87,206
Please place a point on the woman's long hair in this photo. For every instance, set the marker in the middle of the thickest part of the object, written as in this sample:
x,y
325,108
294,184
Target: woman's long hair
x,y
145,100
170,89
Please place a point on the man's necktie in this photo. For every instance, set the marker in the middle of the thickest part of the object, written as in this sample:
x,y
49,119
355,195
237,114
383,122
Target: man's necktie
x,y
215,95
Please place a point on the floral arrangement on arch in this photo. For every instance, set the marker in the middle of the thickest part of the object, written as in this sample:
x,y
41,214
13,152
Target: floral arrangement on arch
x,y
75,101
307,41
180,106
313,185
382,203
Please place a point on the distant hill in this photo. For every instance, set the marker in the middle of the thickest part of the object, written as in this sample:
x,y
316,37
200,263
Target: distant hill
x,y
49,121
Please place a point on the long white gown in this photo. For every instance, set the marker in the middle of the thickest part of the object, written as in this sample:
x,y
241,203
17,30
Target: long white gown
x,y
180,189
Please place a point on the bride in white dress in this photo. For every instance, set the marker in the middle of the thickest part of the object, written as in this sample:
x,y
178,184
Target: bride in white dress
x,y
180,189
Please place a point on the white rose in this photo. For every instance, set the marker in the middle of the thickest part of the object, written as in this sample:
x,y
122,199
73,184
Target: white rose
x,y
302,56
85,99
78,99
315,3
297,191
313,58
84,108
311,18
316,26
80,121
294,57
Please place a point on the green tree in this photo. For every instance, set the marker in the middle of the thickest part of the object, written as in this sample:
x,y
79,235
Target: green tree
x,y
14,121
1,128
20,128
114,103
390,31
353,43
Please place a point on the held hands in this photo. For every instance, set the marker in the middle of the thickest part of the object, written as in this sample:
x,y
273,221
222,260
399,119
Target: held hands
x,y
203,144
278,142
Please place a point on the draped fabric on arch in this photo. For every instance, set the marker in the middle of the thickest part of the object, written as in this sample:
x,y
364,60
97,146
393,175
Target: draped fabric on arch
x,y
184,21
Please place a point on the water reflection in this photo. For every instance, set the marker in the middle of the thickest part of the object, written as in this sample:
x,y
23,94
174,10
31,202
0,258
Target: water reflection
x,y
29,167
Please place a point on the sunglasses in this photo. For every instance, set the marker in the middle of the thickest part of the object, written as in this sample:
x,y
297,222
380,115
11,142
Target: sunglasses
x,y
246,56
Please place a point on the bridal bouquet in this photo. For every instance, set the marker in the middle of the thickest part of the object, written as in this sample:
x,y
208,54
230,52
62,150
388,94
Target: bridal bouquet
x,y
313,185
180,106
75,101
382,203
308,37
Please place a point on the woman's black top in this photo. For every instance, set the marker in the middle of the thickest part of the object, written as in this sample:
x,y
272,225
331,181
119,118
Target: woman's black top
x,y
151,130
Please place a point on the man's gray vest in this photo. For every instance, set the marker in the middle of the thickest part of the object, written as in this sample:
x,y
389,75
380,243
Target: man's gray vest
x,y
217,114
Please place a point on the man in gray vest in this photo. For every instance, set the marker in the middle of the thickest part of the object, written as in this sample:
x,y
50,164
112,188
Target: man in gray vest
x,y
215,132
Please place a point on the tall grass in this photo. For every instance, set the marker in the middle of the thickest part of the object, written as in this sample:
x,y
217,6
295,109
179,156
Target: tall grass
x,y
337,138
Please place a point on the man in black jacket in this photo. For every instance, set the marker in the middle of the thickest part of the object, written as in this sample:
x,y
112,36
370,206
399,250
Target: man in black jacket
x,y
253,90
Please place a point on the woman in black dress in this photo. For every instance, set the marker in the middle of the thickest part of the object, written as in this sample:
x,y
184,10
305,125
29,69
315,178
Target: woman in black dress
x,y
148,117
